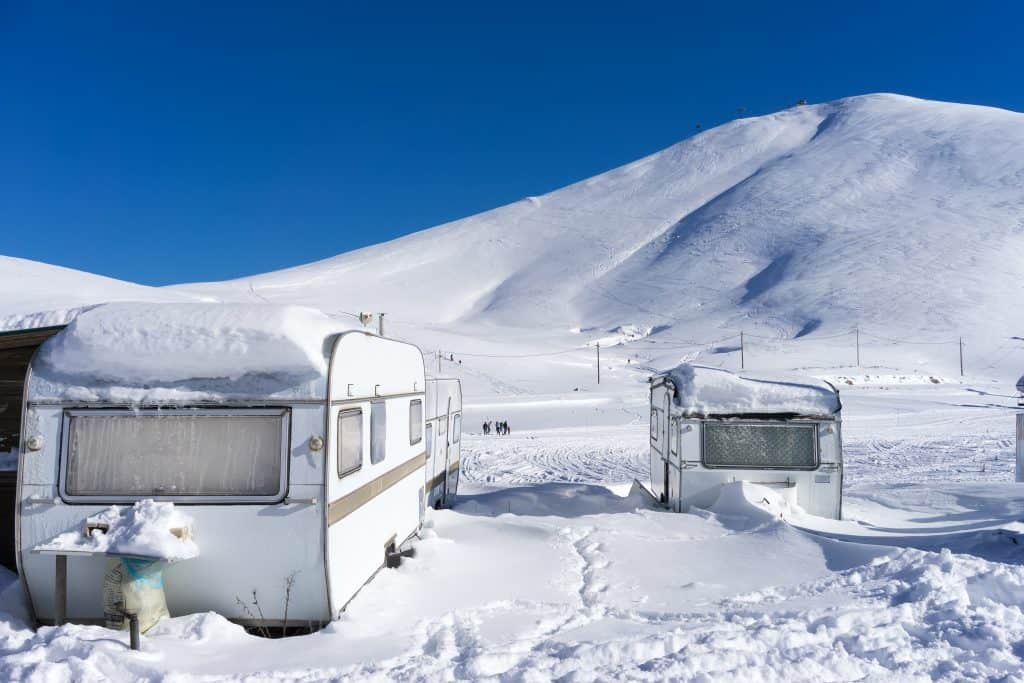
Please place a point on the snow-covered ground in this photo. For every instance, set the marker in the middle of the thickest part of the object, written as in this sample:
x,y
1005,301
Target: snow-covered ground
x,y
859,241
548,567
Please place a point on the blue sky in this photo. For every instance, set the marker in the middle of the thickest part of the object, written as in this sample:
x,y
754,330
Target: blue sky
x,y
167,142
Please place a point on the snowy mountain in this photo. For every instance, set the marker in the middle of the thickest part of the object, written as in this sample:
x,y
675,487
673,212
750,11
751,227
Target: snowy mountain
x,y
898,216
879,210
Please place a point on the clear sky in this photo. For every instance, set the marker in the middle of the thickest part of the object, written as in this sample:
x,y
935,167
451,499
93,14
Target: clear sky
x,y
164,142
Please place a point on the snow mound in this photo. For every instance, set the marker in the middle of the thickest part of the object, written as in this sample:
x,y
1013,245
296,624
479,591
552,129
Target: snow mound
x,y
701,390
622,335
144,529
137,344
757,502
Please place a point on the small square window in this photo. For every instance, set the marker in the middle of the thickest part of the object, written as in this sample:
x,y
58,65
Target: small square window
x,y
415,421
350,441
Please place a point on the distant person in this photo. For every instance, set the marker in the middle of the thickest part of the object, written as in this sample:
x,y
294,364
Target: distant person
x,y
508,430
487,428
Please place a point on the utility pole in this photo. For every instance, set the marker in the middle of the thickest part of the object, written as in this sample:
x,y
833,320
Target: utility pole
x,y
439,361
857,331
598,362
380,324
743,362
961,356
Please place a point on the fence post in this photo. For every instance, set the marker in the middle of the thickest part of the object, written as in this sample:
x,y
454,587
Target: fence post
x,y
598,362
961,356
743,362
857,331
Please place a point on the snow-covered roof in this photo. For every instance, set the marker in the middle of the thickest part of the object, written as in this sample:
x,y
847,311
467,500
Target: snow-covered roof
x,y
705,391
170,351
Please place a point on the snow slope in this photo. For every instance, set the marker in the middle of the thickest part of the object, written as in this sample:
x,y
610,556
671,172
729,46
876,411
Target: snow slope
x,y
34,294
896,214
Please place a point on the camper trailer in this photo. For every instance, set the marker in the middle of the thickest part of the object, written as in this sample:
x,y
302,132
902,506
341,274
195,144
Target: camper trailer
x,y
711,426
443,440
295,447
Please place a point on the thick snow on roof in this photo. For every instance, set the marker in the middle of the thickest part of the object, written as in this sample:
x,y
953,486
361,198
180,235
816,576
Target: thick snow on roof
x,y
139,351
701,390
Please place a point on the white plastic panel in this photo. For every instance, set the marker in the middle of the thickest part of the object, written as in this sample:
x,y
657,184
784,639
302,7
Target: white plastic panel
x,y
356,542
365,366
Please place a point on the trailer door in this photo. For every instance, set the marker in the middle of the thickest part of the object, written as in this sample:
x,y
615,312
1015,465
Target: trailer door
x,y
447,446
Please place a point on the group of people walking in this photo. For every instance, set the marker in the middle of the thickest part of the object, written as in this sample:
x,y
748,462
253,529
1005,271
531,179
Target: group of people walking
x,y
499,428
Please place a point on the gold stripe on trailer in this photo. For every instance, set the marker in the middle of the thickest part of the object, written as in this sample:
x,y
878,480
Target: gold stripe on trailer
x,y
454,467
349,503
435,482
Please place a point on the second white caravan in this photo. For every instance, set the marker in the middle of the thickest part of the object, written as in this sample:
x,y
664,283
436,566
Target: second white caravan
x,y
443,440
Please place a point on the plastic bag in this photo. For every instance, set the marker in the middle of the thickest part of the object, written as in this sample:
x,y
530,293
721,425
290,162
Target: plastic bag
x,y
137,586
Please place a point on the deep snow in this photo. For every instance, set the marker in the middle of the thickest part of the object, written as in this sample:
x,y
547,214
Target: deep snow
x,y
855,241
548,566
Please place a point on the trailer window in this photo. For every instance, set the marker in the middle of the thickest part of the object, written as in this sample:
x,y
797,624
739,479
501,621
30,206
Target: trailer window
x,y
673,437
350,441
457,428
210,454
430,440
760,446
415,421
654,424
378,431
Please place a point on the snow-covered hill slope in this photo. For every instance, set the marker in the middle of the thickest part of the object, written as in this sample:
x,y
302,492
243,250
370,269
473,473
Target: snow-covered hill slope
x,y
901,217
888,212
34,294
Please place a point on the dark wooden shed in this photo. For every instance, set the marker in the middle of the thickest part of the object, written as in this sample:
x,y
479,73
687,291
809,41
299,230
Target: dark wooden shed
x,y
16,349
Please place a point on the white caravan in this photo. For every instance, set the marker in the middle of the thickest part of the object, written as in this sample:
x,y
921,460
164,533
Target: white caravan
x,y
711,426
444,437
302,457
